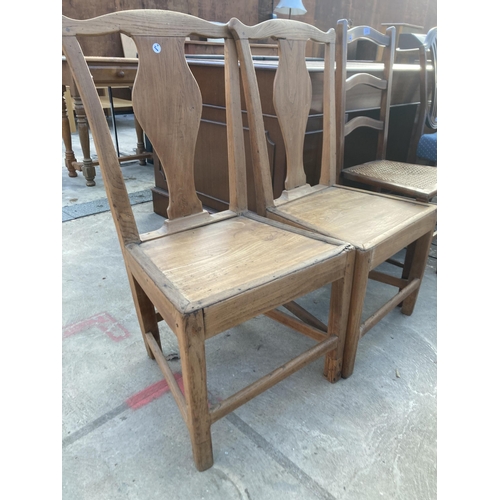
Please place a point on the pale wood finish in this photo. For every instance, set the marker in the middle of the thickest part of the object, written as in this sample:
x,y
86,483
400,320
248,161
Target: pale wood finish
x,y
204,273
411,180
378,225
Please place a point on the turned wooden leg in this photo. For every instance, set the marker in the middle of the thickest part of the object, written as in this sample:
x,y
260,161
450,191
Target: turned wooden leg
x,y
146,314
340,299
140,141
194,376
66,135
421,253
88,168
359,285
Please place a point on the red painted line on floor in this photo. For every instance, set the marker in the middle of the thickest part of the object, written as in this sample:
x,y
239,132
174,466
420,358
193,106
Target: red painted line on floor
x,y
152,392
104,321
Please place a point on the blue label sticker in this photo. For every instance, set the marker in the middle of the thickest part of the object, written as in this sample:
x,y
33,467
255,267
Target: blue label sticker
x,y
366,31
156,48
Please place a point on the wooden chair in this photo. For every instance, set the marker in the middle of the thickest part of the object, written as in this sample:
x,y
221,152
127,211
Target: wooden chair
x,y
400,178
378,225
423,145
204,273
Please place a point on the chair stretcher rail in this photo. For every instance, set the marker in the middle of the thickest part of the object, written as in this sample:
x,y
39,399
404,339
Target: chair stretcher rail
x,y
236,400
169,376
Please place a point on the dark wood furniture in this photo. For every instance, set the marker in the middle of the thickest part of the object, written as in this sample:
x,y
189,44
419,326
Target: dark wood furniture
x,y
201,47
112,72
210,163
201,273
382,173
378,225
211,175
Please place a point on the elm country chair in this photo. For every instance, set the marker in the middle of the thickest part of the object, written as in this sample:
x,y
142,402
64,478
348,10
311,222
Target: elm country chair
x,y
377,225
204,273
400,178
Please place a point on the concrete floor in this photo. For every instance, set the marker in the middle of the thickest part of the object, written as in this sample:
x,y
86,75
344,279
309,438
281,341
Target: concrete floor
x,y
367,437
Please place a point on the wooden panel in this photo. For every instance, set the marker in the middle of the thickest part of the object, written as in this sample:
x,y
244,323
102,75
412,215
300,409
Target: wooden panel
x,y
210,77
216,48
226,314
211,172
211,167
110,45
325,13
321,13
171,126
289,83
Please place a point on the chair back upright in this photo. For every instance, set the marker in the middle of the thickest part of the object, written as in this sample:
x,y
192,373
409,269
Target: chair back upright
x,y
292,98
381,79
167,103
427,111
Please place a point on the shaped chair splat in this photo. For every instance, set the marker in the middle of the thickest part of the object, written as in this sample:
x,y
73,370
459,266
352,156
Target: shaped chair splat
x,y
378,225
162,78
205,273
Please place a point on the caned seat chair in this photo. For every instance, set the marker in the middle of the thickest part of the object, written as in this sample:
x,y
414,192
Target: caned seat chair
x,y
397,177
205,273
378,225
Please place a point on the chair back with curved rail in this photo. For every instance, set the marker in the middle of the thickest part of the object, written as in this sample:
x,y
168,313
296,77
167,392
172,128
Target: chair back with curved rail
x,y
204,273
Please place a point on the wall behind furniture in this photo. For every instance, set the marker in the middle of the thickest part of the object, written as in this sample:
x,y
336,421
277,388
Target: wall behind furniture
x,y
325,13
321,13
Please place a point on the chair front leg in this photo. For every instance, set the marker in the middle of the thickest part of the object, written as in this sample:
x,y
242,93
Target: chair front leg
x,y
191,337
417,269
340,299
359,286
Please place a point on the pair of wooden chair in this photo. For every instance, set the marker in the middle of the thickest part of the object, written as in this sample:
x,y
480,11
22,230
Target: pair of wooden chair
x,y
205,273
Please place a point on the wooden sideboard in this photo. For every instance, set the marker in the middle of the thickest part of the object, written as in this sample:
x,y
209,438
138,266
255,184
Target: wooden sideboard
x,y
211,155
211,176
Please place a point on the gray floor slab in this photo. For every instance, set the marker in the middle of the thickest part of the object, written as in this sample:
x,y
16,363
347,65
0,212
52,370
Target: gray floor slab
x,y
370,436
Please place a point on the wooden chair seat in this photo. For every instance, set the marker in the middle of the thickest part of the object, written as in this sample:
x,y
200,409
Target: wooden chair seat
x,y
231,257
204,273
412,180
366,220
